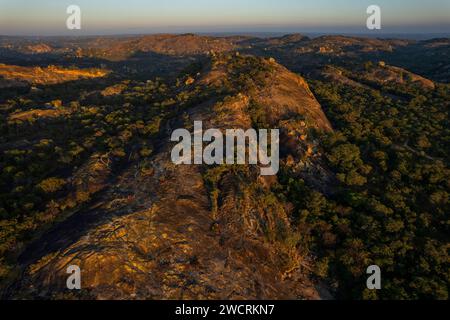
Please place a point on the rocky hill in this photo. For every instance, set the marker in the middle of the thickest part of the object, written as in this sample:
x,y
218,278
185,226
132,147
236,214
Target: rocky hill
x,y
186,44
383,74
193,231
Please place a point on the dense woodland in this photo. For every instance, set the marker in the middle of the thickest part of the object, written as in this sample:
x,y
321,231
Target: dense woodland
x,y
391,207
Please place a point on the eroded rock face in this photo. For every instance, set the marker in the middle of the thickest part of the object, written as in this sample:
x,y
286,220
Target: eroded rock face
x,y
189,231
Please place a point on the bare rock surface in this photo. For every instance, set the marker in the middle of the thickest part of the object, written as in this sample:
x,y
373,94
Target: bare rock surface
x,y
189,231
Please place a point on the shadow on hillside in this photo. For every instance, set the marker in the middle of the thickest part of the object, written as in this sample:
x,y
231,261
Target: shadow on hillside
x,y
140,66
136,64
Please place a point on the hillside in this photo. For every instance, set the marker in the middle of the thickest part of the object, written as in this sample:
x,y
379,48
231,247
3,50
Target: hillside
x,y
192,231
375,75
86,176
187,44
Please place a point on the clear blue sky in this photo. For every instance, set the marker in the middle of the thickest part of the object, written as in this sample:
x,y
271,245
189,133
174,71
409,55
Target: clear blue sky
x,y
47,17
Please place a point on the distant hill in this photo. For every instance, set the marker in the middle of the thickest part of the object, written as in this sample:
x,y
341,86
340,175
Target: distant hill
x,y
87,177
17,76
188,44
296,51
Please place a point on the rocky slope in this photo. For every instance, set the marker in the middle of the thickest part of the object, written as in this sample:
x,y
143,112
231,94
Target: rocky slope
x,y
383,74
179,232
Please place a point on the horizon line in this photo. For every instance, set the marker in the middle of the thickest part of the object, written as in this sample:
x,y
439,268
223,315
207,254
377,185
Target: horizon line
x,y
235,33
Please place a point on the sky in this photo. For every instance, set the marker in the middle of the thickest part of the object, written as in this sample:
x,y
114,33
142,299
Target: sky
x,y
48,17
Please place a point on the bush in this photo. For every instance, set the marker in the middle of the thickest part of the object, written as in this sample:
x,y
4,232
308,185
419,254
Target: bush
x,y
51,185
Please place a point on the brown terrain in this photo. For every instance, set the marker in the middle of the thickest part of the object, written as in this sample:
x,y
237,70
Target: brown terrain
x,y
187,44
383,74
37,113
297,52
165,234
380,74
